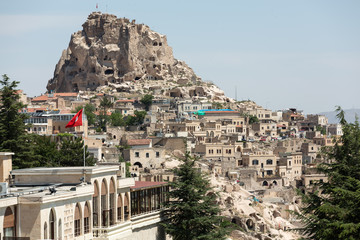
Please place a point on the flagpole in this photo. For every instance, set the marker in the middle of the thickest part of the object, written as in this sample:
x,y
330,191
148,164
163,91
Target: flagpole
x,y
84,134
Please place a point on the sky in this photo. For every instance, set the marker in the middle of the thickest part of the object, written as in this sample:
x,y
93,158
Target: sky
x,y
279,53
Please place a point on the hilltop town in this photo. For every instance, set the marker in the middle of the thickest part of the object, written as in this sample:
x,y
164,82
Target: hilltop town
x,y
154,109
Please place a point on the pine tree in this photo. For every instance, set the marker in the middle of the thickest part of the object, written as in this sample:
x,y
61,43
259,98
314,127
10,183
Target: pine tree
x,y
13,136
71,152
331,210
192,213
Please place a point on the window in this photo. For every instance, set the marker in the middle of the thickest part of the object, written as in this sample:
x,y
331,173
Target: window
x,y
269,172
112,202
52,224
157,154
95,205
86,219
104,212
289,163
137,154
119,208
9,223
255,162
77,227
147,155
269,162
126,207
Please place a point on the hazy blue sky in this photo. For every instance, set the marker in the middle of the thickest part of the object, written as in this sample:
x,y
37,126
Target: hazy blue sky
x,y
279,53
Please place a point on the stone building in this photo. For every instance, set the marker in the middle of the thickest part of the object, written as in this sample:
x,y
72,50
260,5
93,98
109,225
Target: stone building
x,y
78,203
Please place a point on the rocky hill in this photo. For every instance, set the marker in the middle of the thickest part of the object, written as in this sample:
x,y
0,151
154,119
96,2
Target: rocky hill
x,y
123,56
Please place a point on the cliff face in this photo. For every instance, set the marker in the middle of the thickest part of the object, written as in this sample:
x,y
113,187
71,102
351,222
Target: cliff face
x,y
115,50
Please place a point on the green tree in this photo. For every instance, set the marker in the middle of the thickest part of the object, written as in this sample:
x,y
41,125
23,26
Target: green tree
x,y
71,150
89,112
331,210
191,212
217,105
321,129
137,119
13,136
103,118
45,150
253,119
147,101
117,119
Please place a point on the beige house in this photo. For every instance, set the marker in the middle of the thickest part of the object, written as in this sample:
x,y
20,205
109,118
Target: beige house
x,y
78,203
290,166
263,162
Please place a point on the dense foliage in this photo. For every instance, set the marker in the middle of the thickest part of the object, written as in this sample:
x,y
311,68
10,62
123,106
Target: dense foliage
x,y
192,212
32,150
137,119
147,101
331,210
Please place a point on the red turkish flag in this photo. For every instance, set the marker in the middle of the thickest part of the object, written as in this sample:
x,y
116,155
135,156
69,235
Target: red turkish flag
x,y
76,120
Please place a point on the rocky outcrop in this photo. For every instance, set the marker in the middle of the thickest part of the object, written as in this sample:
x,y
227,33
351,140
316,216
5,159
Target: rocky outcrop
x,y
126,56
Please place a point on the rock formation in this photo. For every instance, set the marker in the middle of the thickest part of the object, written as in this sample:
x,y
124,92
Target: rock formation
x,y
128,57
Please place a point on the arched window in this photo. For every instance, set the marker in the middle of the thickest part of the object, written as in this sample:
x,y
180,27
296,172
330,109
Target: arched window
x,y
52,224
77,221
112,202
45,231
86,218
119,208
9,223
104,212
255,162
126,207
269,162
96,205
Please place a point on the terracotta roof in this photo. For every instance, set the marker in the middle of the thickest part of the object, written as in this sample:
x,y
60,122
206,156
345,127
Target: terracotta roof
x,y
135,142
40,98
46,97
143,184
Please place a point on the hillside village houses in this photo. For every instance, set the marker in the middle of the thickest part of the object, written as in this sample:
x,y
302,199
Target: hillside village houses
x,y
275,149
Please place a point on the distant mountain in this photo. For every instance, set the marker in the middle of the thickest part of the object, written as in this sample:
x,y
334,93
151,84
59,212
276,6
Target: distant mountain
x,y
349,115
